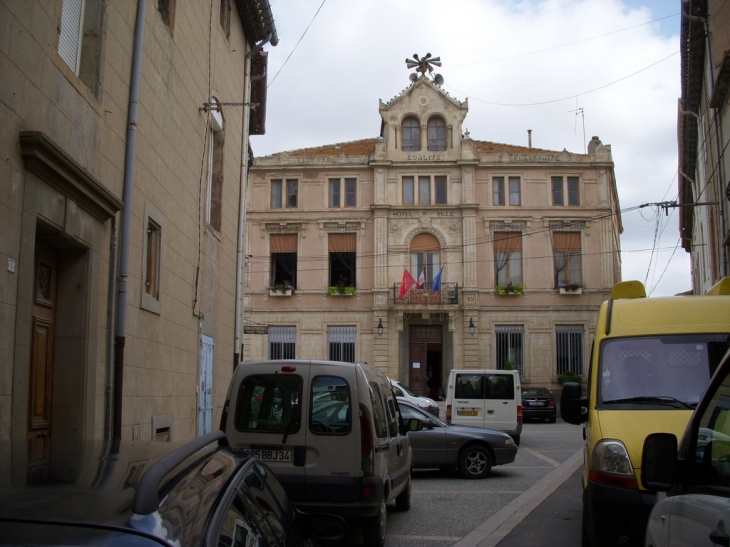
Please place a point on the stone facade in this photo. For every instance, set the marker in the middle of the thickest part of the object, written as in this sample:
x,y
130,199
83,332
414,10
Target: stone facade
x,y
703,127
65,100
501,220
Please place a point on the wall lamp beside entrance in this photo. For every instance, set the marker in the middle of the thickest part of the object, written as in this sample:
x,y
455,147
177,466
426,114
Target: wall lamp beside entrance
x,y
472,328
380,327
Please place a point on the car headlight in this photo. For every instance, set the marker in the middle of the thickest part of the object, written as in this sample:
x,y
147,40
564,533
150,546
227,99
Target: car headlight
x,y
611,465
509,442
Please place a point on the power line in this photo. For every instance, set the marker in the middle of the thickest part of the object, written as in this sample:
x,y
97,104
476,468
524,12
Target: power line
x,y
297,44
574,95
561,45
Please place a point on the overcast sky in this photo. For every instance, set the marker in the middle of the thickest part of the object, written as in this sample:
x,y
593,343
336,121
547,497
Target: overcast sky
x,y
523,65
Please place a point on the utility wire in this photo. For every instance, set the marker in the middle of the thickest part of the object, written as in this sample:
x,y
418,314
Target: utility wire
x,y
569,97
561,45
297,44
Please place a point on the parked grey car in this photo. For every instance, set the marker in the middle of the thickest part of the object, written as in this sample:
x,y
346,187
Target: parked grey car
x,y
471,450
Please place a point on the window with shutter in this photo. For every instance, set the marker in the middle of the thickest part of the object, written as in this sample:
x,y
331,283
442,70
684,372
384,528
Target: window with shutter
x,y
69,40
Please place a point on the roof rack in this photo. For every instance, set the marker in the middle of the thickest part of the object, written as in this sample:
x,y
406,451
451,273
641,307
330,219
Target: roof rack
x,y
147,499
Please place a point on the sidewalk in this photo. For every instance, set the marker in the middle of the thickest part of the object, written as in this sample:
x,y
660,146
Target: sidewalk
x,y
548,514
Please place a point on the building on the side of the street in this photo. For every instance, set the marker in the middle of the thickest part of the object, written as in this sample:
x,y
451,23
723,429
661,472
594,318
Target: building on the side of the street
x,y
121,200
523,242
703,129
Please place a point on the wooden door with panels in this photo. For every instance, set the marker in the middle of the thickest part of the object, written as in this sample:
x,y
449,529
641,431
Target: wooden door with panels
x,y
425,347
40,395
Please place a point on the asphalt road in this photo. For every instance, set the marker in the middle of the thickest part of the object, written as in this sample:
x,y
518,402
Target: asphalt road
x,y
447,510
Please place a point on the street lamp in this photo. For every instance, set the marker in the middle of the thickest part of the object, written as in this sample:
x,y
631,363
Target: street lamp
x,y
472,328
380,327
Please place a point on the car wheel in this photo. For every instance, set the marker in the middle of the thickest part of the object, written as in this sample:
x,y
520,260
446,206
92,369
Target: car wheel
x,y
403,500
552,419
373,528
475,462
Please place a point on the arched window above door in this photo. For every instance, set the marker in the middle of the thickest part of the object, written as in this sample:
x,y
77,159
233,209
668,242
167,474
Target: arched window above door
x,y
411,135
425,257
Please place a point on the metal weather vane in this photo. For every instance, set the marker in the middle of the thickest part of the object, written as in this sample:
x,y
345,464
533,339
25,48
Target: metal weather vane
x,y
425,64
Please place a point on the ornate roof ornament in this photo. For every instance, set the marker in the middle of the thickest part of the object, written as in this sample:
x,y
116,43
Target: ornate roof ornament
x,y
423,65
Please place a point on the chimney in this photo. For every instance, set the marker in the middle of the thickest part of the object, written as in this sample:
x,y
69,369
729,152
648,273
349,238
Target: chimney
x,y
529,138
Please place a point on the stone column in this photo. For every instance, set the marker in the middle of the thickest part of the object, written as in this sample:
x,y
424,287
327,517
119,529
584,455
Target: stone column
x,y
469,246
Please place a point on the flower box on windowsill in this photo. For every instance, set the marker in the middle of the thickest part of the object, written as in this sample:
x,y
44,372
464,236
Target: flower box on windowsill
x,y
280,292
508,290
341,291
563,290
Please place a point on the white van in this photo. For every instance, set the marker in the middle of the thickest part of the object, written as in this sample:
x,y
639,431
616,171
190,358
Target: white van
x,y
332,433
485,398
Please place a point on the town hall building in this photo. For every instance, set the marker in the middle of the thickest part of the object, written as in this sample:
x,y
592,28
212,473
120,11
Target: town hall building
x,y
506,251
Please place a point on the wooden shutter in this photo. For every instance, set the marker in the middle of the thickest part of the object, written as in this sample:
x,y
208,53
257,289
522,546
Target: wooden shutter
x,y
69,40
284,243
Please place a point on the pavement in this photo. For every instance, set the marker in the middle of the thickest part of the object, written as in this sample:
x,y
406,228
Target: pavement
x,y
548,514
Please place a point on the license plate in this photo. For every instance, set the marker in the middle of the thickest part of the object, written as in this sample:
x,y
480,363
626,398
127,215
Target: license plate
x,y
467,413
270,455
538,403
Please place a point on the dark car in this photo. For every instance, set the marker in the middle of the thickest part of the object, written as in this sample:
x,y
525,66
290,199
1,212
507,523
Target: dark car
x,y
471,450
148,494
538,404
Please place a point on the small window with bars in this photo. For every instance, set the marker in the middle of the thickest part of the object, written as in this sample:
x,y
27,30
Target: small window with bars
x,y
510,347
341,344
282,342
569,348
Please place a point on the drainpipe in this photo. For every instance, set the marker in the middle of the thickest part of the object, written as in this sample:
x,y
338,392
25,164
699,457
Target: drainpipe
x,y
109,386
240,274
130,148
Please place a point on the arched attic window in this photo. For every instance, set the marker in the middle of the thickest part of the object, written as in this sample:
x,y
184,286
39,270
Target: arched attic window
x,y
425,256
436,134
411,135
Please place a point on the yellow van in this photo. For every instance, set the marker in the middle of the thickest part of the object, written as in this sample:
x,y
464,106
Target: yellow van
x,y
652,359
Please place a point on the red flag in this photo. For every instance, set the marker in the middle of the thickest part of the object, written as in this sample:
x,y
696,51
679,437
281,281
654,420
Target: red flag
x,y
406,284
421,279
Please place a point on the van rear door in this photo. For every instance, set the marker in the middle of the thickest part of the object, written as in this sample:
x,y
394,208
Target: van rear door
x,y
269,420
332,471
500,401
468,404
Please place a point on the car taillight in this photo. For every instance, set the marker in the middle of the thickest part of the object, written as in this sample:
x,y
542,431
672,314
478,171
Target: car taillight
x,y
224,416
551,403
366,446
448,413
519,414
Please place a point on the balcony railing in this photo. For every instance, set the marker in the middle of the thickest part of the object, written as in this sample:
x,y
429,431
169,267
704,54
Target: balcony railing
x,y
448,294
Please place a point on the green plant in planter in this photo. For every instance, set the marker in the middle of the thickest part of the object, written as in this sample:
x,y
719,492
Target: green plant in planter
x,y
569,286
349,290
332,290
507,365
508,289
569,376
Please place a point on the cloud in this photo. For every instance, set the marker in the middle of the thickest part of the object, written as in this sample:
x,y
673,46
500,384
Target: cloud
x,y
506,52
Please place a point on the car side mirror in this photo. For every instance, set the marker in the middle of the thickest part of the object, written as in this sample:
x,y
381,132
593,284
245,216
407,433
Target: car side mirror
x,y
573,405
658,461
415,425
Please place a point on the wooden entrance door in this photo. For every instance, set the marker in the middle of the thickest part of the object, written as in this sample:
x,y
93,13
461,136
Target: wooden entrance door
x,y
423,340
41,361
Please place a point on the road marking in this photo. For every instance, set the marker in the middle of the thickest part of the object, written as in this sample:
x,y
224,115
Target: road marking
x,y
494,529
541,456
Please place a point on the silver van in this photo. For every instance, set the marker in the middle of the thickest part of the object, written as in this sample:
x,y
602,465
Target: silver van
x,y
332,433
485,398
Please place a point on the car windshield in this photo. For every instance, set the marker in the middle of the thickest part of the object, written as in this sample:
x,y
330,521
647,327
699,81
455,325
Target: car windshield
x,y
409,412
658,371
407,390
